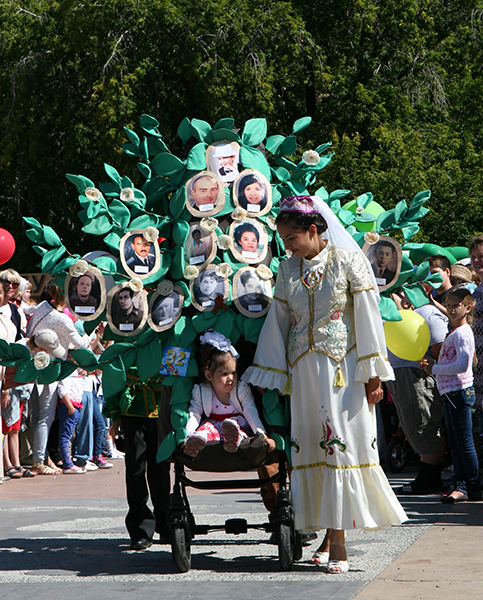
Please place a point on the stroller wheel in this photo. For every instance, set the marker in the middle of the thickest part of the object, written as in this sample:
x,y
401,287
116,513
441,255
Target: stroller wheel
x,y
181,549
396,456
285,547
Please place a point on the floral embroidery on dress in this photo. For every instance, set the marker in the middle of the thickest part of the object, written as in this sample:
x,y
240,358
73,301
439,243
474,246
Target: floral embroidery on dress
x,y
374,442
295,444
328,443
312,276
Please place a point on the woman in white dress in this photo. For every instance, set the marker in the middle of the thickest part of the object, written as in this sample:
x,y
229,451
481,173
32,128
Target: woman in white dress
x,y
323,343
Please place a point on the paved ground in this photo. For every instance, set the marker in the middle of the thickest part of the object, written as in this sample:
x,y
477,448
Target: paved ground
x,y
66,535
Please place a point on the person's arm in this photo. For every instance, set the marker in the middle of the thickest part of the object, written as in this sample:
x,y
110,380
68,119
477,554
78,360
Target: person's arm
x,y
464,355
68,404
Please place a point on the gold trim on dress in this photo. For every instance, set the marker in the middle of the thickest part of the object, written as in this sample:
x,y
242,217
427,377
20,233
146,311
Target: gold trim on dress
x,y
338,360
269,369
353,293
280,299
370,356
324,464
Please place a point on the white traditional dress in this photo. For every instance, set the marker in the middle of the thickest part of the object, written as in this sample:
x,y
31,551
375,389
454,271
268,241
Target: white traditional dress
x,y
324,334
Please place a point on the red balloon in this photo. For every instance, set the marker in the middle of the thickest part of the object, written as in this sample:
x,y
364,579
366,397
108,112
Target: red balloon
x,y
7,246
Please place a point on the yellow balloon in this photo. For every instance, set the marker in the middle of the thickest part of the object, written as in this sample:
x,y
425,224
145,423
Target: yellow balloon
x,y
408,339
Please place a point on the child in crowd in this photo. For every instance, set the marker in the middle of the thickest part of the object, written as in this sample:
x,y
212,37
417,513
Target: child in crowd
x,y
221,408
70,392
454,378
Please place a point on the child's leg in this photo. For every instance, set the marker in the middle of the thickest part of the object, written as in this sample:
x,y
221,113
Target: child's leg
x,y
197,440
66,431
232,434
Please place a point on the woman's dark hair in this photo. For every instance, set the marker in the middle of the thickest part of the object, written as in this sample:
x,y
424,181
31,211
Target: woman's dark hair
x,y
210,358
241,229
243,184
302,221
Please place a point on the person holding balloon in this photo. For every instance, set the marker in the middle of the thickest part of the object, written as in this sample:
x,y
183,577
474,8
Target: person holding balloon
x,y
418,404
454,378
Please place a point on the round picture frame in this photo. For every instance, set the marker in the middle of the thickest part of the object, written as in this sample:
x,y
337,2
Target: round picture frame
x,y
163,314
384,255
248,247
139,265
251,302
252,192
120,317
223,159
205,194
85,295
200,247
206,286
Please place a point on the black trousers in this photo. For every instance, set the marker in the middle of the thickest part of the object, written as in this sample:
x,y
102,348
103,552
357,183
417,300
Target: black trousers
x,y
145,477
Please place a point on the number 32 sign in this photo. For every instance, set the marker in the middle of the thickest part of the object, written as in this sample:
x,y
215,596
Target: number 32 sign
x,y
175,361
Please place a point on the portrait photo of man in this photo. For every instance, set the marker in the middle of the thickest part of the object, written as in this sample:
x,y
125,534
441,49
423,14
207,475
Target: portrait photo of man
x,y
253,293
139,255
383,259
126,312
165,309
198,246
203,193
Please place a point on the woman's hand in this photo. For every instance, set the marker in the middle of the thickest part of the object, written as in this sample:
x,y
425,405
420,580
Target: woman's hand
x,y
374,392
426,364
270,442
260,390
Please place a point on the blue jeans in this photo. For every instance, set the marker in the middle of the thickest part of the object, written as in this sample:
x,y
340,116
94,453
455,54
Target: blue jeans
x,y
460,436
84,431
100,427
67,425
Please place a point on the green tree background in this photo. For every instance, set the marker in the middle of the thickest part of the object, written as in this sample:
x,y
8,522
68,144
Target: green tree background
x,y
396,87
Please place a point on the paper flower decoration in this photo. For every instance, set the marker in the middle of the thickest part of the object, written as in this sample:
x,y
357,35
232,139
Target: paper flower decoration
x,y
165,287
135,284
127,194
223,270
151,234
359,210
191,272
41,360
209,223
311,158
264,272
224,242
93,194
78,268
371,237
271,222
239,214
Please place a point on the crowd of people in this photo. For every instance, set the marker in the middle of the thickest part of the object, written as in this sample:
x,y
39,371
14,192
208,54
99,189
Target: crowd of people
x,y
322,342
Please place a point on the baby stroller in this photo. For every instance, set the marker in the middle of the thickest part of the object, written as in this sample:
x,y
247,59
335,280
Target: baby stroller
x,y
252,453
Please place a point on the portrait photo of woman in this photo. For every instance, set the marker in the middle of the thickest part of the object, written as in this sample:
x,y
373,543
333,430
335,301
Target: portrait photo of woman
x,y
86,296
249,241
252,192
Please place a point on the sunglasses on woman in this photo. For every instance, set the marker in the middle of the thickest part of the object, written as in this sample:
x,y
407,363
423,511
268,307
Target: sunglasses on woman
x,y
12,283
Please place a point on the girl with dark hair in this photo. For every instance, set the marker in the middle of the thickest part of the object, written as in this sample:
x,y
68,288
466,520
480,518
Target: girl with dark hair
x,y
323,343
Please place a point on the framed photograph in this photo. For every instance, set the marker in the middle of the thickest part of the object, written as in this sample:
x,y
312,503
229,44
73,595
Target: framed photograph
x,y
206,287
127,310
252,191
250,241
385,255
140,257
165,310
200,246
205,194
252,295
223,158
86,295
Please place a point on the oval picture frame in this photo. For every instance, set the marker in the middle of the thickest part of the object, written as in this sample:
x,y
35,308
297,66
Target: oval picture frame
x,y
193,187
95,301
203,252
256,182
202,300
217,155
247,302
247,254
132,262
168,316
378,258
126,326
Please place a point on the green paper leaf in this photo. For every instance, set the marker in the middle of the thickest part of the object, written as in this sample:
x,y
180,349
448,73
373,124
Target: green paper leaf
x,y
224,124
196,158
49,374
131,149
323,147
133,137
85,358
184,130
287,147
51,257
273,143
80,182
51,238
144,170
400,210
149,124
346,216
113,240
339,194
113,174
64,264
251,158
99,226
416,295
184,331
200,129
180,232
364,199
301,124
409,232
149,359
254,132
19,351
113,377
26,372
420,198
385,220
282,173
67,367
389,310
224,135
166,164
120,213
421,272
167,447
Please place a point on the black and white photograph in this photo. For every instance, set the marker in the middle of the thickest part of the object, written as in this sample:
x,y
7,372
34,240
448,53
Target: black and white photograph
x,y
252,295
385,256
139,256
200,246
165,310
223,158
252,191
86,294
206,287
250,240
127,310
205,194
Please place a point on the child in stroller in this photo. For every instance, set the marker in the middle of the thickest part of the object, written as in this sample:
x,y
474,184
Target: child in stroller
x,y
222,408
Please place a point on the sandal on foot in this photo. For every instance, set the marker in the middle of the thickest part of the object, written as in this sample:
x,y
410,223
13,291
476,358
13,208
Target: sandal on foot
x,y
193,445
25,472
232,435
41,469
337,566
13,473
320,558
449,499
